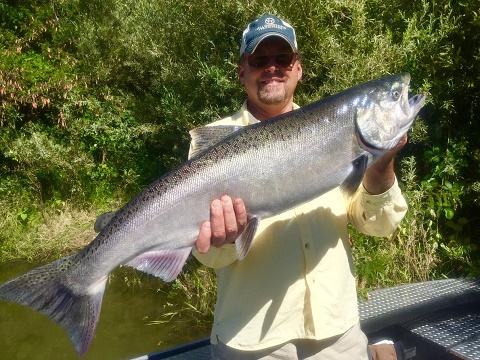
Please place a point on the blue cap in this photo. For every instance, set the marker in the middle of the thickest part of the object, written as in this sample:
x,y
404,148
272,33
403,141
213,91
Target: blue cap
x,y
263,27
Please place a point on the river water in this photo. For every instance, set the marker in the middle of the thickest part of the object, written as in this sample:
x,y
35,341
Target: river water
x,y
123,331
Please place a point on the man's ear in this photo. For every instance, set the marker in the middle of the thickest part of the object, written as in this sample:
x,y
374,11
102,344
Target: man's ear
x,y
300,70
241,72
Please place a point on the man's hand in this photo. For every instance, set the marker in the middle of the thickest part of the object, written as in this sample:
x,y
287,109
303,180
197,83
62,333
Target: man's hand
x,y
380,176
228,220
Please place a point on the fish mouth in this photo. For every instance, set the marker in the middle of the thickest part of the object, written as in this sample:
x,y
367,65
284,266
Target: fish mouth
x,y
416,103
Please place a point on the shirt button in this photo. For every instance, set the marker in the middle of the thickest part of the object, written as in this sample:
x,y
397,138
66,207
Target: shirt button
x,y
307,246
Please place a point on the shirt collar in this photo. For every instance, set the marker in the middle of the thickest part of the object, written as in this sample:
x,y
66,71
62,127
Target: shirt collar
x,y
248,118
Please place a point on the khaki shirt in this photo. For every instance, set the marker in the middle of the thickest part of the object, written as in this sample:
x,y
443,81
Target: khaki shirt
x,y
297,281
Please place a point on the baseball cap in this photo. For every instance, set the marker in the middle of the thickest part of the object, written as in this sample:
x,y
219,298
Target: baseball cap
x,y
263,27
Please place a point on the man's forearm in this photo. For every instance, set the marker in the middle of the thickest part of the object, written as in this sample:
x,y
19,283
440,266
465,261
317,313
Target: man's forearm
x,y
379,177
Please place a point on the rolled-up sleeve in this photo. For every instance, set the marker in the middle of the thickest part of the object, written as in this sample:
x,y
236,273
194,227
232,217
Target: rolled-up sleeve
x,y
377,215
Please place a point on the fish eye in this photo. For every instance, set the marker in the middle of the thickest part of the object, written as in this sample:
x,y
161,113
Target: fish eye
x,y
396,94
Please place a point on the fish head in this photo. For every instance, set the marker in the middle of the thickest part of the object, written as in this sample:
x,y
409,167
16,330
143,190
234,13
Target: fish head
x,y
384,113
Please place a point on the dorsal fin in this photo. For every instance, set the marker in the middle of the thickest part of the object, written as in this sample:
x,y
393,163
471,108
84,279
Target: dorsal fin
x,y
207,136
103,220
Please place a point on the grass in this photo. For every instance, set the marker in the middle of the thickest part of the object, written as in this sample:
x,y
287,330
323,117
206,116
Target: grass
x,y
193,296
55,232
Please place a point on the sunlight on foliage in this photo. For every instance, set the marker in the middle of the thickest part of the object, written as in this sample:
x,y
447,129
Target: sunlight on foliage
x,y
97,98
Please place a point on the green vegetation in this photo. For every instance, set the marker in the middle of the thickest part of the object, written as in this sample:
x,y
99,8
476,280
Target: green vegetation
x,y
97,98
192,295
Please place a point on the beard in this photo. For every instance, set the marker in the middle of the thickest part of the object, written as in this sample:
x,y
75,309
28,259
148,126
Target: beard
x,y
272,94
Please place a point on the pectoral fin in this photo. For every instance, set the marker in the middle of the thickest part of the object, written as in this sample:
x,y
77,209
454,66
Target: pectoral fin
x,y
354,179
244,242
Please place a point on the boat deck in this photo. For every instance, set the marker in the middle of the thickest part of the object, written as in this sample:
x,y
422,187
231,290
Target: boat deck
x,y
434,320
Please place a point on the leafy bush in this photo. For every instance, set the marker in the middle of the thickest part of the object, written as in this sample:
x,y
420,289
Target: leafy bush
x,y
97,99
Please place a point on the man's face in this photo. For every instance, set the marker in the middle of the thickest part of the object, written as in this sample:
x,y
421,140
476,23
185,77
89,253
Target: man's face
x,y
272,84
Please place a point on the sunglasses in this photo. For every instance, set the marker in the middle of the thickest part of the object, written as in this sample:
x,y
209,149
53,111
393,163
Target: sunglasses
x,y
283,60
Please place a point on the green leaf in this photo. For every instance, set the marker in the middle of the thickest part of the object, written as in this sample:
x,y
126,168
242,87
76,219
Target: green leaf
x,y
447,185
449,213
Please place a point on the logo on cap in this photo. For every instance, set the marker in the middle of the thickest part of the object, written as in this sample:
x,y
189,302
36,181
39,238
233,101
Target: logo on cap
x,y
269,21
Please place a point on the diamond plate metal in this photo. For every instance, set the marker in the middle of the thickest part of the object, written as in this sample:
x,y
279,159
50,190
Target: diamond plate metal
x,y
457,330
385,301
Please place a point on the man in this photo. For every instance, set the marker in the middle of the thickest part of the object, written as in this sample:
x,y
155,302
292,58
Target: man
x,y
293,296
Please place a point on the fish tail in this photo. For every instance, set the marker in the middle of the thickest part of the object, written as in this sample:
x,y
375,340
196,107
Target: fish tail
x,y
46,290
